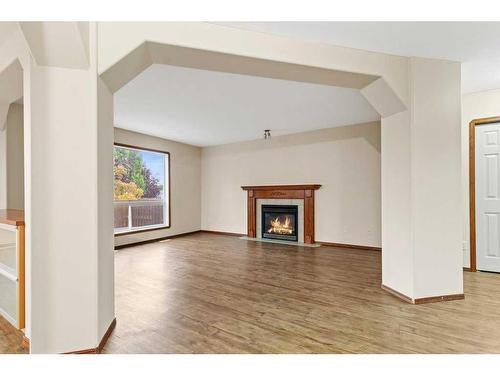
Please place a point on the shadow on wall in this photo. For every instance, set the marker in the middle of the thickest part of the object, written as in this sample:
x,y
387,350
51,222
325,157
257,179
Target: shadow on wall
x,y
11,137
370,131
15,157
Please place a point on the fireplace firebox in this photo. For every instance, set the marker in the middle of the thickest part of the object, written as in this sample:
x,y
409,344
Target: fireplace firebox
x,y
279,222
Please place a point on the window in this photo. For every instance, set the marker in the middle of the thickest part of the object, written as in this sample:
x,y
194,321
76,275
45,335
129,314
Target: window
x,y
141,189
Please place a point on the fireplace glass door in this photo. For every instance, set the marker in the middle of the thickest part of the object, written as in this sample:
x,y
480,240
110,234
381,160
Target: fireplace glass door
x,y
279,222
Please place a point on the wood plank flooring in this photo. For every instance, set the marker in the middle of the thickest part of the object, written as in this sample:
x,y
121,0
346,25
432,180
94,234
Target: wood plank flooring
x,y
208,293
10,339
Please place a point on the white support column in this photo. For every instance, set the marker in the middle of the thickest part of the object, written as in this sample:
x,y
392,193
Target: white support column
x,y
72,237
436,177
64,211
397,247
105,218
421,186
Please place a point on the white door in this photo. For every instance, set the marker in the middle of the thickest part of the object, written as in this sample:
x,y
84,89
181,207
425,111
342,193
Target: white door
x,y
487,144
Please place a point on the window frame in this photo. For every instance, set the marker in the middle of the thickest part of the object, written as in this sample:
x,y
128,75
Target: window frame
x,y
168,200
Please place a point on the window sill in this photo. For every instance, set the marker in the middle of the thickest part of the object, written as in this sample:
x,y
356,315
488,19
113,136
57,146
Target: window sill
x,y
119,234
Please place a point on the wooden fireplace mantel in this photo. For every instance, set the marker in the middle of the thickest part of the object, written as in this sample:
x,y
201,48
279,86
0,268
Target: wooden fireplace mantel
x,y
305,192
282,187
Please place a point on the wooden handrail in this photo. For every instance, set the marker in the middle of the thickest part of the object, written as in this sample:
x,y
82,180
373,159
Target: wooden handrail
x,y
12,217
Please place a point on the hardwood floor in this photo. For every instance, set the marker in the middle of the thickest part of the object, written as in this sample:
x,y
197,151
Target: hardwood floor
x,y
10,339
208,293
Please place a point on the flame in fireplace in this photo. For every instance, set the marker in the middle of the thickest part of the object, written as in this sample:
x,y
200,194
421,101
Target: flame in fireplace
x,y
279,227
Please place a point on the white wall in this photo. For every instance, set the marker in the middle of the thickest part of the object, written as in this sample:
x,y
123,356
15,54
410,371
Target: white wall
x,y
344,160
474,106
15,157
185,185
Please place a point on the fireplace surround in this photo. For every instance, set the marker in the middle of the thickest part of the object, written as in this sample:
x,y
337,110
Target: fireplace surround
x,y
300,195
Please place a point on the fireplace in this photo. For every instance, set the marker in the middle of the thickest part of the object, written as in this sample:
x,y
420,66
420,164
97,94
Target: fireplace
x,y
301,196
279,222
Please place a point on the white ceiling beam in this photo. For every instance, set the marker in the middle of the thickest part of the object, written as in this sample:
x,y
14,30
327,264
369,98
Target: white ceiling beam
x,y
383,98
149,53
58,44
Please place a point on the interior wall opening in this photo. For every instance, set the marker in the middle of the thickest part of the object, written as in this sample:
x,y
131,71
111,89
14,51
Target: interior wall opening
x,y
13,304
180,111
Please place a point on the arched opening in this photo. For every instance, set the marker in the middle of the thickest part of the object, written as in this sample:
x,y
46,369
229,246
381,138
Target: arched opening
x,y
148,54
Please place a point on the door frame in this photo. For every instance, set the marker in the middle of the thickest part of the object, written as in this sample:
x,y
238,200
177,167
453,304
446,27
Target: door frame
x,y
472,185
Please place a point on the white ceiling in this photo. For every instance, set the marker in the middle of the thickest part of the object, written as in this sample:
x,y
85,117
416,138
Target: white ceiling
x,y
475,44
205,108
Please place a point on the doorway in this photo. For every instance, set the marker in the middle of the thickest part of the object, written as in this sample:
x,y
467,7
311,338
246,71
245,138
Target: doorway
x,y
484,194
